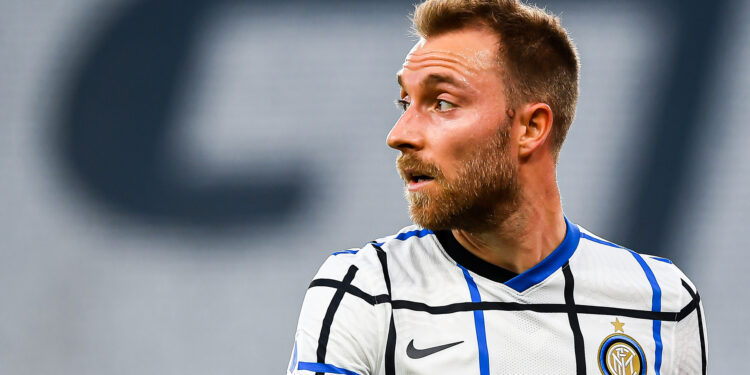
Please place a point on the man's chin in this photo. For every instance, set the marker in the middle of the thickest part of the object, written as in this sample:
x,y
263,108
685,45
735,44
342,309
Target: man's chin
x,y
435,215
426,217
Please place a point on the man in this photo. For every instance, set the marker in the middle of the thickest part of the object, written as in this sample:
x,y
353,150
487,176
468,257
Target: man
x,y
493,279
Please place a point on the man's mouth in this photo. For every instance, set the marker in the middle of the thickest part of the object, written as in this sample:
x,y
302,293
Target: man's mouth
x,y
416,177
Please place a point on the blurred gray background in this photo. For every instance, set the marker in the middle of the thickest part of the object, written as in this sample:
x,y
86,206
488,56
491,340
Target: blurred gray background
x,y
172,173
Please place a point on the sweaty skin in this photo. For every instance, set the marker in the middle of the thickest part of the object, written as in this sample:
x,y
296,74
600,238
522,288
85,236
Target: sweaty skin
x,y
453,94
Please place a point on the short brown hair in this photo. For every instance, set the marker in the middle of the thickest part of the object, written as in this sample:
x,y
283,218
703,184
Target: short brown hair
x,y
539,60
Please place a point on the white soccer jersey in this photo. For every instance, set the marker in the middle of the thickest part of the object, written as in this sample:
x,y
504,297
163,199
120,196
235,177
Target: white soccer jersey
x,y
419,303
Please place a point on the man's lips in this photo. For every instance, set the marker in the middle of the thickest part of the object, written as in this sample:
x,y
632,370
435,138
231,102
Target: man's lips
x,y
416,179
416,176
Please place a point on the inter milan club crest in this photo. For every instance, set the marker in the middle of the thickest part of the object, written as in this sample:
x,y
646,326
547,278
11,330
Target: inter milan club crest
x,y
620,354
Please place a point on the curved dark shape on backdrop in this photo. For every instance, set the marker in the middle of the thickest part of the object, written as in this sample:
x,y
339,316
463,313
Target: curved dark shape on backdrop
x,y
118,114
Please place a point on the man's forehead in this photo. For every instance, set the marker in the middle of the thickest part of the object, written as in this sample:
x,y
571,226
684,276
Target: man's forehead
x,y
469,51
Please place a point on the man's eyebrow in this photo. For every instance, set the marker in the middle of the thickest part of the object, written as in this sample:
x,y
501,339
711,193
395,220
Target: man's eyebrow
x,y
434,79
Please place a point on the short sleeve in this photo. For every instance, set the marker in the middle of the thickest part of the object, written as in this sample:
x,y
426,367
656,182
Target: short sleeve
x,y
340,329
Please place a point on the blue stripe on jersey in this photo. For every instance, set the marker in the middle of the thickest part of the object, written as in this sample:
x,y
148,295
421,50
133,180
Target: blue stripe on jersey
x,y
406,235
419,233
484,358
323,367
665,260
553,262
346,252
601,241
655,306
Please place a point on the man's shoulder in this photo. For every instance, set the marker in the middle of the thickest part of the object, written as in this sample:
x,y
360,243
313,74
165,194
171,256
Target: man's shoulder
x,y
613,261
613,253
399,242
371,261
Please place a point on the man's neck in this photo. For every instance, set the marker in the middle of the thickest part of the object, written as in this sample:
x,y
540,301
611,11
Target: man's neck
x,y
524,238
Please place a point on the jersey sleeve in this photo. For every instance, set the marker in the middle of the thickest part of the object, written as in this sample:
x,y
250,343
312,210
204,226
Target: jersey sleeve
x,y
691,334
340,329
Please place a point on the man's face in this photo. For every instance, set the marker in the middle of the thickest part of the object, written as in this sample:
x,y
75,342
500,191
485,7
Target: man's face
x,y
455,132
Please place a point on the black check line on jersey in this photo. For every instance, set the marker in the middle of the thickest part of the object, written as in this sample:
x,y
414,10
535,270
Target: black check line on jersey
x,y
514,306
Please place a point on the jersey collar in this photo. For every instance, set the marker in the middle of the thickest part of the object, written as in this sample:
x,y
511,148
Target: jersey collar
x,y
518,282
470,261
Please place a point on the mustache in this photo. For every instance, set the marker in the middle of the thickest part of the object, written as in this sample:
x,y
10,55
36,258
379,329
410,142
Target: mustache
x,y
416,166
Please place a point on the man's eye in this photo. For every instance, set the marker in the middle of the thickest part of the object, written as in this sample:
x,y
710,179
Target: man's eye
x,y
403,104
443,105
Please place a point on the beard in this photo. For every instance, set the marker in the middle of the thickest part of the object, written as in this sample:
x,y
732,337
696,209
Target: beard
x,y
482,195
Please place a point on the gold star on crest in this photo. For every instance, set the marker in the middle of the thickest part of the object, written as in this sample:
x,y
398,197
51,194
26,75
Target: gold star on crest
x,y
618,325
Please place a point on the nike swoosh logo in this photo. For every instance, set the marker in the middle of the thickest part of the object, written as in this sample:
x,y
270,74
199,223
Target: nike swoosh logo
x,y
415,353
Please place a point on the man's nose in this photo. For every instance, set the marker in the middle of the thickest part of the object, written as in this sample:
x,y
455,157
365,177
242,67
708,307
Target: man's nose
x,y
407,133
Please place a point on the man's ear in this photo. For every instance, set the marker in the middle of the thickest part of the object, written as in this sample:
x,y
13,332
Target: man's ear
x,y
536,125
